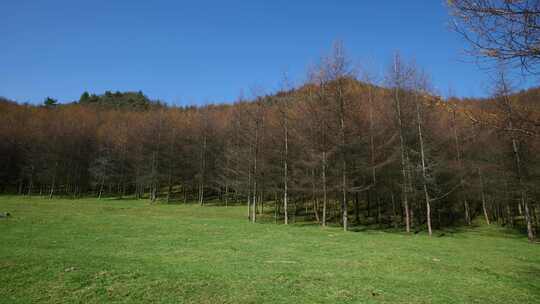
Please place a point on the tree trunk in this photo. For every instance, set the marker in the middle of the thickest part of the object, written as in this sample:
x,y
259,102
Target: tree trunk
x,y
226,194
356,208
324,189
528,219
285,197
483,197
202,170
344,207
424,169
31,182
461,168
249,195
314,196
276,207
467,212
102,184
404,195
53,185
256,154
285,173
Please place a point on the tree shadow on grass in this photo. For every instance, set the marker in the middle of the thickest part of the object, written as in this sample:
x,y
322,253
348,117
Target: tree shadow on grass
x,y
492,230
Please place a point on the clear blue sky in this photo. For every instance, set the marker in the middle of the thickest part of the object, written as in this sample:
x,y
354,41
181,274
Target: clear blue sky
x,y
187,52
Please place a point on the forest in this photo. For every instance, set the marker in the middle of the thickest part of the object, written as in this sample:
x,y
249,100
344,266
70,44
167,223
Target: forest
x,y
342,149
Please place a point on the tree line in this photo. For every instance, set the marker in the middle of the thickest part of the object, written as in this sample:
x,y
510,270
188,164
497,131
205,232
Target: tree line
x,y
340,149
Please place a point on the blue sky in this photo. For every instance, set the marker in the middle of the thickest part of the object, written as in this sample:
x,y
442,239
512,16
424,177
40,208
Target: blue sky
x,y
194,52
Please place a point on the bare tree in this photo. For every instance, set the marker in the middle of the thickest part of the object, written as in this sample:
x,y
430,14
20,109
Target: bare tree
x,y
202,154
423,160
503,94
286,161
397,79
500,29
483,194
338,70
461,168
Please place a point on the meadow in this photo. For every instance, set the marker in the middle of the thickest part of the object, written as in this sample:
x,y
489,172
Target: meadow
x,y
131,251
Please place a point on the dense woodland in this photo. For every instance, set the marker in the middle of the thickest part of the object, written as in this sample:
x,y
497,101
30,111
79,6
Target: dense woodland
x,y
339,149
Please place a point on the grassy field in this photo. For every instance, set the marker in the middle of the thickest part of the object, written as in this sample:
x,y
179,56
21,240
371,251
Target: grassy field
x,y
90,251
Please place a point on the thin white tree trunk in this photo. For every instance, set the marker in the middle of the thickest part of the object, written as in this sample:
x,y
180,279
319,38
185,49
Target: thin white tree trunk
x,y
285,173
324,189
484,208
424,169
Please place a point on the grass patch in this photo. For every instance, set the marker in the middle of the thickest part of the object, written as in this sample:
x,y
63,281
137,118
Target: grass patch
x,y
128,251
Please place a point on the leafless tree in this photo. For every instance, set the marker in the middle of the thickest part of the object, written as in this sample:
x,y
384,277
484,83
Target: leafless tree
x,y
503,92
397,79
500,29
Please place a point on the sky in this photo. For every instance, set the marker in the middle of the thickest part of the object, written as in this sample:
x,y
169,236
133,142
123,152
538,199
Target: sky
x,y
197,52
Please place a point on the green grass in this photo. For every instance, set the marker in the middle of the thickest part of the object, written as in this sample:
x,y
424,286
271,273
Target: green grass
x,y
90,251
